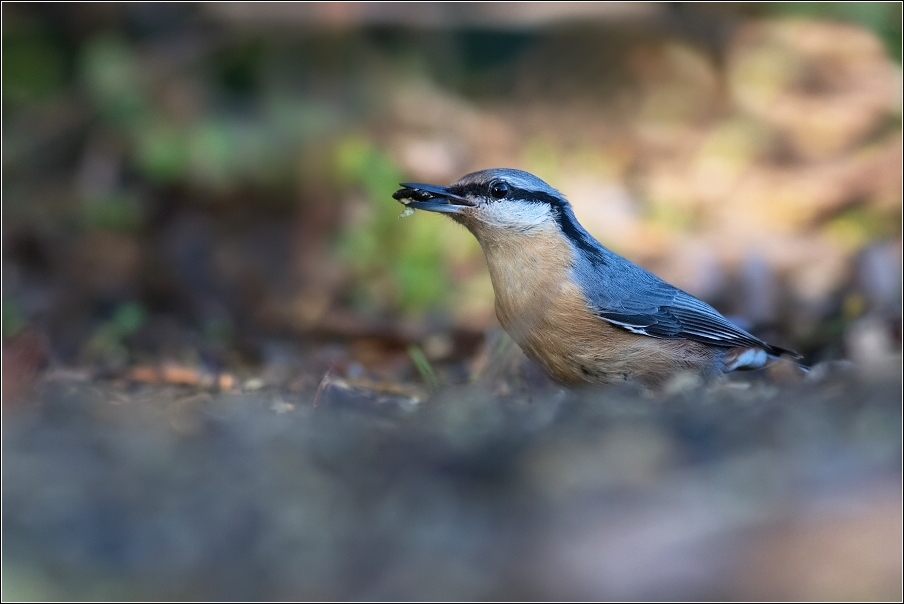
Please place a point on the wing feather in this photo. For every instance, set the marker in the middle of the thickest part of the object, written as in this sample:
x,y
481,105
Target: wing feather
x,y
633,298
678,315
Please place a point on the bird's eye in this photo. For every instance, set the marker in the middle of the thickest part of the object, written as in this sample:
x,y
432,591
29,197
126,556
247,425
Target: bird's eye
x,y
499,190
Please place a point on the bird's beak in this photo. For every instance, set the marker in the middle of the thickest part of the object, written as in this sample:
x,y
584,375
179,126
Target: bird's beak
x,y
432,198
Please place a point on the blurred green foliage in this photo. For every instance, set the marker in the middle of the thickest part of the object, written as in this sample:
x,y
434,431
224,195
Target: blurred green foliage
x,y
424,367
195,139
34,65
13,321
855,227
117,211
108,342
111,75
378,246
163,152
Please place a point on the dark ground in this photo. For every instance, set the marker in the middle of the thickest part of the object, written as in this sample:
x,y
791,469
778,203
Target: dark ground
x,y
746,490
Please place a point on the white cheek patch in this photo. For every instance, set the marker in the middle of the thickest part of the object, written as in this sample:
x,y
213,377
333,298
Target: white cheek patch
x,y
522,217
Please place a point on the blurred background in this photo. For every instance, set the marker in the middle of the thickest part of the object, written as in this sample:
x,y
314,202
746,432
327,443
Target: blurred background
x,y
211,184
199,195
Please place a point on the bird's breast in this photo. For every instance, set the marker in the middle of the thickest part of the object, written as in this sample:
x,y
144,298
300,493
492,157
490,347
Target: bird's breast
x,y
546,312
537,301
530,274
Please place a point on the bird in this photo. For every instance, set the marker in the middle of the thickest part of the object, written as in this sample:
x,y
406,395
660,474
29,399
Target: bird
x,y
585,314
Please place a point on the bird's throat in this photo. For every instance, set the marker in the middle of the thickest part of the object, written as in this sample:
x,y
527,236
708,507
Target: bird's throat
x,y
530,273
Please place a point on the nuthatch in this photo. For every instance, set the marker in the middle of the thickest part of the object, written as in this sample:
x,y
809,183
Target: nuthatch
x,y
584,313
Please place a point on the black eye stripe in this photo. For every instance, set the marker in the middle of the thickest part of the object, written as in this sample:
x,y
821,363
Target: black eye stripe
x,y
537,196
561,213
514,193
470,190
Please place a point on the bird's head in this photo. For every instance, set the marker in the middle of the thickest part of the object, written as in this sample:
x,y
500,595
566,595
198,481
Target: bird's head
x,y
491,202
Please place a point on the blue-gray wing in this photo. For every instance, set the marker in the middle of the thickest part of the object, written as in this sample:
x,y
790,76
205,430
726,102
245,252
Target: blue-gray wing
x,y
682,317
645,304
